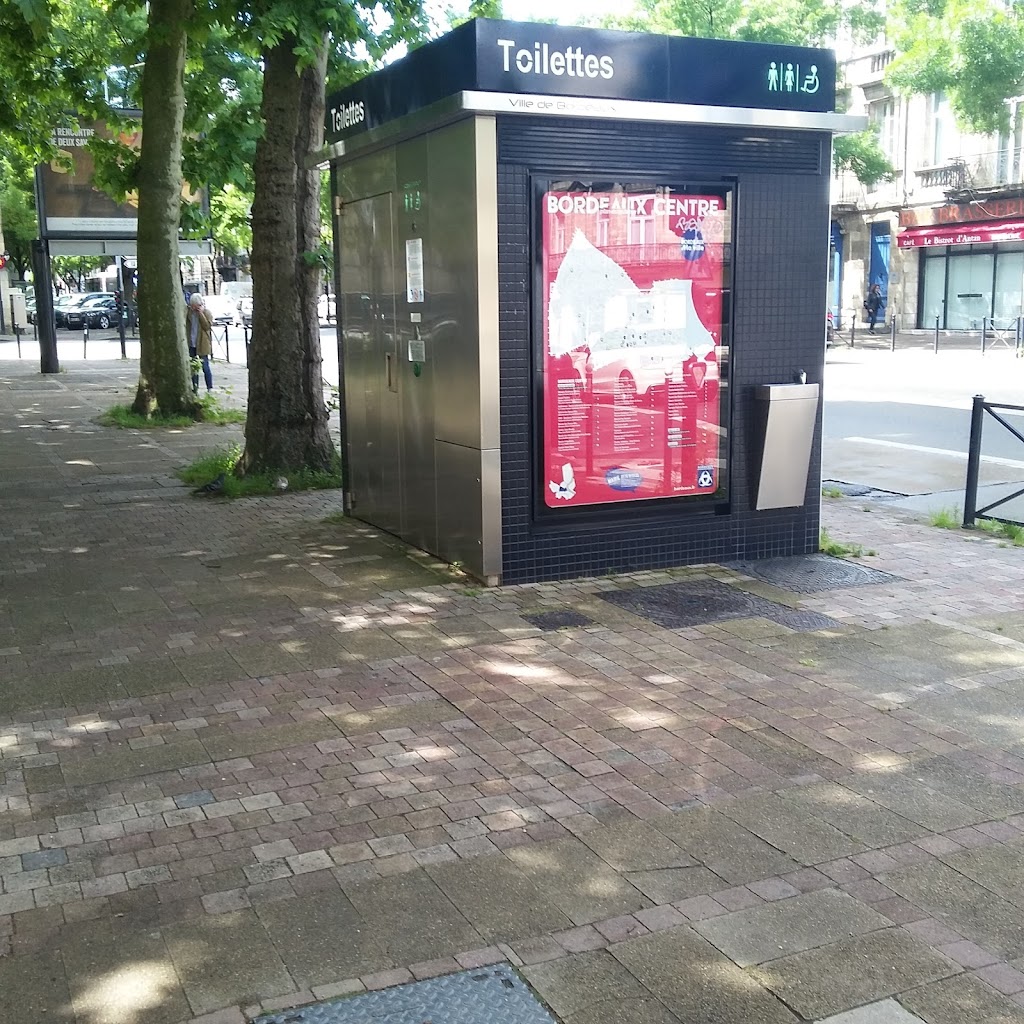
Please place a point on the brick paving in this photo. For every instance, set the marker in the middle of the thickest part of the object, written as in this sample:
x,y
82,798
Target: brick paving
x,y
218,719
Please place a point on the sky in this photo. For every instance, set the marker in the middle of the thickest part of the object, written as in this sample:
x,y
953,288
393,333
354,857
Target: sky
x,y
566,11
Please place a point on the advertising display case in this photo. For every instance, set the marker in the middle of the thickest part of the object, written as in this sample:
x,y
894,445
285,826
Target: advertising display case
x,y
633,342
569,261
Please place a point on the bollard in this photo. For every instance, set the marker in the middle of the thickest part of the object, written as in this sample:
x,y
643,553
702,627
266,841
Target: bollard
x,y
1018,342
892,334
227,345
984,332
973,460
935,349
17,338
85,340
853,327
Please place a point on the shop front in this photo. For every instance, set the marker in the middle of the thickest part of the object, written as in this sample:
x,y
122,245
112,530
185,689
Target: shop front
x,y
971,265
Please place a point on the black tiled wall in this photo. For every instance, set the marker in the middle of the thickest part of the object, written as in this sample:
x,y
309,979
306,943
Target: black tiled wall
x,y
780,279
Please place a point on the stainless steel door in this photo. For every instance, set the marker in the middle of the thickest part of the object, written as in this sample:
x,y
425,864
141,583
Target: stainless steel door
x,y
369,350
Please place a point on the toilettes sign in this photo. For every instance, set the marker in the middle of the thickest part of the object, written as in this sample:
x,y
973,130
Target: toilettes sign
x,y
505,57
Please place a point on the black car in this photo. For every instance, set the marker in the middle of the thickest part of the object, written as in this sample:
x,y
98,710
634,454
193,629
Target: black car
x,y
64,302
97,311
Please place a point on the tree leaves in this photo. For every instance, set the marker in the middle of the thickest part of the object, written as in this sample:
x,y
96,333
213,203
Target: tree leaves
x,y
973,50
798,22
861,154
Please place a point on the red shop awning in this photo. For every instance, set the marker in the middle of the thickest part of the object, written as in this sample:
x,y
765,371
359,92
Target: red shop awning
x,y
963,234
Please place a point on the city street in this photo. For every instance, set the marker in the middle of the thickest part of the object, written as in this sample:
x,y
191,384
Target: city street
x,y
900,422
894,421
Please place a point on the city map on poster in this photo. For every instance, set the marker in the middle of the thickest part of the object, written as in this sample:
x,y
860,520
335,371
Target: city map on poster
x,y
632,314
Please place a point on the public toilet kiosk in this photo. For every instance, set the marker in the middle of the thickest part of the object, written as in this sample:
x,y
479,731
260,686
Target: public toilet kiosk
x,y
581,280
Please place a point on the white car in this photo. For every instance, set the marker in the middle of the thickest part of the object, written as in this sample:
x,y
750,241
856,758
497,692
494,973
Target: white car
x,y
222,308
327,309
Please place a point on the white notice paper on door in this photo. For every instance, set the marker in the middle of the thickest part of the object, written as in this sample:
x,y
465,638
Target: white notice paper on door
x,y
414,269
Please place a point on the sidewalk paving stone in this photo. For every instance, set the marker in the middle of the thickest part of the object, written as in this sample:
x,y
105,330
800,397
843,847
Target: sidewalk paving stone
x,y
88,768
412,919
289,754
576,984
728,849
899,791
998,868
854,816
687,973
974,910
225,959
791,829
578,882
322,938
668,885
117,972
500,901
962,999
851,972
887,1011
775,930
632,845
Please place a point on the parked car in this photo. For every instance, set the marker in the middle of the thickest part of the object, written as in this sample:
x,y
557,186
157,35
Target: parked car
x,y
245,309
222,308
100,311
64,302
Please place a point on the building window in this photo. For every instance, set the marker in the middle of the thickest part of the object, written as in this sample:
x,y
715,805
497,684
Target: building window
x,y
883,117
937,125
603,220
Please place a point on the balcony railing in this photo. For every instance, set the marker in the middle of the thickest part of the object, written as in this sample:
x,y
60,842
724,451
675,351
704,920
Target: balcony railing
x,y
880,61
952,175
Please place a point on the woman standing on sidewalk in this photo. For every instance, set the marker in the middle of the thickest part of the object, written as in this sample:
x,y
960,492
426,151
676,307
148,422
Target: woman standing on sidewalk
x,y
198,331
873,304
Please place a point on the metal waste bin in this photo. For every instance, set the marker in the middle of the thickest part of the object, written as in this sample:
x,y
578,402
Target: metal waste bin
x,y
788,414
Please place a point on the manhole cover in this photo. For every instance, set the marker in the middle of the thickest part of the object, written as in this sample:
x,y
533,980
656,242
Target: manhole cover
x,y
699,602
562,619
807,574
495,995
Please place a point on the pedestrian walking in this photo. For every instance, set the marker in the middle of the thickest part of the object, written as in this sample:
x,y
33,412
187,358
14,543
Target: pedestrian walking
x,y
873,304
199,332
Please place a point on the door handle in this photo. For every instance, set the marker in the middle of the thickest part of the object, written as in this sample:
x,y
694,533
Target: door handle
x,y
389,370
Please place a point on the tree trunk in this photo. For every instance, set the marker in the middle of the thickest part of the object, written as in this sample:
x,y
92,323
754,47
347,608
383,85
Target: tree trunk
x,y
286,427
164,379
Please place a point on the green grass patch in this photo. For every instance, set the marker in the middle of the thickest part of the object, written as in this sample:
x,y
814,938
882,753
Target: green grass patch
x,y
1012,533
208,410
946,519
831,492
836,548
224,460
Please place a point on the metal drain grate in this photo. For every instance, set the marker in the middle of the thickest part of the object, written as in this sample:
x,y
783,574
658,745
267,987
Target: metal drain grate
x,y
561,619
700,602
495,995
807,574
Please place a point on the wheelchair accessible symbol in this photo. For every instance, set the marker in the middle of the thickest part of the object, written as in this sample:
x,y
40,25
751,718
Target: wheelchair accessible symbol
x,y
705,477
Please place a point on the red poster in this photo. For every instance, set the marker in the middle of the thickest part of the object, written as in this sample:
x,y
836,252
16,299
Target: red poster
x,y
632,311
